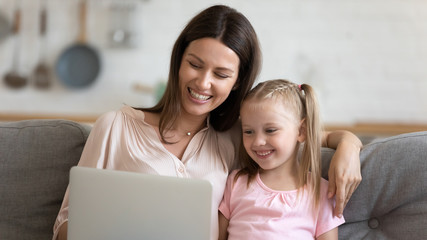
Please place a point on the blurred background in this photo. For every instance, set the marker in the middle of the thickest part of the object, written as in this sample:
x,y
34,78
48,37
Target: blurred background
x,y
366,59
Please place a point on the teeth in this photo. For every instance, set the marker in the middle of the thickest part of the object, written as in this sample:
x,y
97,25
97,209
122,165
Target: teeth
x,y
199,96
264,153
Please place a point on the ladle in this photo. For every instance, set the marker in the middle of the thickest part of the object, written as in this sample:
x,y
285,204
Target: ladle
x,y
14,79
42,71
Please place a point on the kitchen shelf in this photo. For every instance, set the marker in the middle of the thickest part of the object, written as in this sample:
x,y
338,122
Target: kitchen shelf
x,y
379,129
360,129
77,118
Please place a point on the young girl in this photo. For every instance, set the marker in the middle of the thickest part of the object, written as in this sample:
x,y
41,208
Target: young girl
x,y
279,192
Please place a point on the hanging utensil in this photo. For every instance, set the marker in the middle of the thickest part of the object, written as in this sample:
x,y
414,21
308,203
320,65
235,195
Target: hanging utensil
x,y
14,79
5,27
42,72
79,65
120,35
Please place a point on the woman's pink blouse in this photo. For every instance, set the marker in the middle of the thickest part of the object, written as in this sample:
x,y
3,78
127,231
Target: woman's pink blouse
x,y
122,140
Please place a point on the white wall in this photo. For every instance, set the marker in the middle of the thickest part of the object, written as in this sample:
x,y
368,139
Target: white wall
x,y
367,59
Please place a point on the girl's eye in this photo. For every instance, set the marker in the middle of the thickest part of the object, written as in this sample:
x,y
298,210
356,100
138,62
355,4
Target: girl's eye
x,y
247,132
270,130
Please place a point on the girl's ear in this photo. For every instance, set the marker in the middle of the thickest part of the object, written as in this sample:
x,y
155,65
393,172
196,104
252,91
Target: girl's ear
x,y
302,131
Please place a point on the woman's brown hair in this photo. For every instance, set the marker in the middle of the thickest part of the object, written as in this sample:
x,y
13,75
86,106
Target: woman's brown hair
x,y
235,31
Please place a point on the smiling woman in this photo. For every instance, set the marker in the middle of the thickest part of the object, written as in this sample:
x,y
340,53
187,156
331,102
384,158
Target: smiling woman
x,y
210,73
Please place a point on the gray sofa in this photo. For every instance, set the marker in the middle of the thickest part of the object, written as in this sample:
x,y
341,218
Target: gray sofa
x,y
36,155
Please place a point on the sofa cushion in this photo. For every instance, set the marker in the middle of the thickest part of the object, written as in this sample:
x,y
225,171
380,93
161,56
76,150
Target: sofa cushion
x,y
35,159
391,201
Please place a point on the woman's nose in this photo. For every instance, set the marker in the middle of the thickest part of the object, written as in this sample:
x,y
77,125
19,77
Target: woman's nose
x,y
204,81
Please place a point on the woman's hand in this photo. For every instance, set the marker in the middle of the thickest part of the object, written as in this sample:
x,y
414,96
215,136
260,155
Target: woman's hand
x,y
344,169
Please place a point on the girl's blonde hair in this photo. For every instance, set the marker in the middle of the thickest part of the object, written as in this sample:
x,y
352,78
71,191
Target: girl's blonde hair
x,y
301,99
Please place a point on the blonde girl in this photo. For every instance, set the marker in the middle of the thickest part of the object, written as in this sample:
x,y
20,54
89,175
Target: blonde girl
x,y
279,193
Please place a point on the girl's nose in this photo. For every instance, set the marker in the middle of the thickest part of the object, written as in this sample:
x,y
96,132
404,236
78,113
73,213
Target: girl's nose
x,y
259,140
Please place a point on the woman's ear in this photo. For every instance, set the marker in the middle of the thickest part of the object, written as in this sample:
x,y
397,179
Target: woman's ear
x,y
302,131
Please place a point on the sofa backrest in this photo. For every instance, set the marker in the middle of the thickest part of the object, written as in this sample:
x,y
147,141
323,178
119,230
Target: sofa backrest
x,y
35,159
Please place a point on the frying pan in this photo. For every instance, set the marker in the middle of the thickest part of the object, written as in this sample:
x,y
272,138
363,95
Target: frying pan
x,y
78,66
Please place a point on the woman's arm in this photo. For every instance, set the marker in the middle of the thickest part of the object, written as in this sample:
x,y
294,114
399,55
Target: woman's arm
x,y
95,154
223,225
62,235
344,169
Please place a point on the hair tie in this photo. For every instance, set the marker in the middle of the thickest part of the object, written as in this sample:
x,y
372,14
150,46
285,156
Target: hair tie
x,y
299,86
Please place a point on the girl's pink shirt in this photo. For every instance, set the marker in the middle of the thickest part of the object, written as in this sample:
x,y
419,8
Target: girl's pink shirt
x,y
259,212
122,140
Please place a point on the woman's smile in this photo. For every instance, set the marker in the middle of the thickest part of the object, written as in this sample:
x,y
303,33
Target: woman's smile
x,y
198,96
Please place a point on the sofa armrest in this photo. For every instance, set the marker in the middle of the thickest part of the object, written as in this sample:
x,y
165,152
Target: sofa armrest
x,y
391,201
35,159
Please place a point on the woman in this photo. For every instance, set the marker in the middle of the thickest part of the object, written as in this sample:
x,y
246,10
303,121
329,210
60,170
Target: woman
x,y
193,131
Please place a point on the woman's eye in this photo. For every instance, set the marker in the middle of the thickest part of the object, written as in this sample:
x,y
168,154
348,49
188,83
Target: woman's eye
x,y
194,65
220,75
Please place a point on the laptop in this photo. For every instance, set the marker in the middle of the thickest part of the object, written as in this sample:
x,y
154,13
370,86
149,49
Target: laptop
x,y
109,204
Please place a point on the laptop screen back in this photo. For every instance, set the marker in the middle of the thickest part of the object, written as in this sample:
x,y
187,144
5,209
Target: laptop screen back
x,y
107,204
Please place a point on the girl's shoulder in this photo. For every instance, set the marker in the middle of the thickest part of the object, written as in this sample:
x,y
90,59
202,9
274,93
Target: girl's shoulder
x,y
233,173
236,177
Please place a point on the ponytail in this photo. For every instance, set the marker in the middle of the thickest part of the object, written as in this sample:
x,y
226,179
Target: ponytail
x,y
310,159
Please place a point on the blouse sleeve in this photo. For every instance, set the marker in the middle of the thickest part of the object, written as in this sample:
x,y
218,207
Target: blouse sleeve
x,y
97,148
95,154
